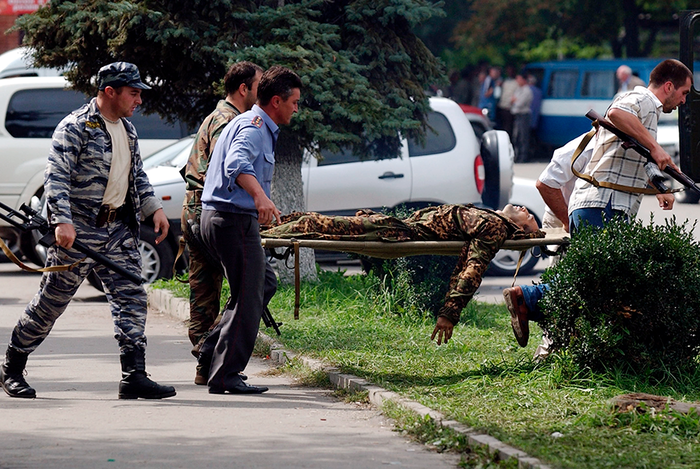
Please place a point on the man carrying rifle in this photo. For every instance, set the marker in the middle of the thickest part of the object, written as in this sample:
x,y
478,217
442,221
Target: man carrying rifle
x,y
620,173
96,191
636,113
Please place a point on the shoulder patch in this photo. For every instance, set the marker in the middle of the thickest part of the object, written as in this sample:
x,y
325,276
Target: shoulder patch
x,y
92,125
257,121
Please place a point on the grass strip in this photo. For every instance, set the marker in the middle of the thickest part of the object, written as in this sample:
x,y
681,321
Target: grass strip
x,y
551,410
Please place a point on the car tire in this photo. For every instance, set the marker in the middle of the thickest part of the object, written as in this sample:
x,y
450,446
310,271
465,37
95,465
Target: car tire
x,y
29,240
505,262
497,155
156,259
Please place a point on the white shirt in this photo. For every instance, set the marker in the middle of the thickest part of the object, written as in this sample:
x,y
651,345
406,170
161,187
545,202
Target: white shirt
x,y
558,174
118,183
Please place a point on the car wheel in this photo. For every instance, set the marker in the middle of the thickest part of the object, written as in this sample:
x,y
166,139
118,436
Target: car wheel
x,y
11,239
29,240
506,261
156,259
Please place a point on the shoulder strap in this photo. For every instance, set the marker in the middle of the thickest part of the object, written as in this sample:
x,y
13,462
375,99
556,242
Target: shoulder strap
x,y
590,179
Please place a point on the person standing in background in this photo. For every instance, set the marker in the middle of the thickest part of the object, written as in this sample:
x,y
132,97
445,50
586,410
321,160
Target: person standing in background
x,y
520,108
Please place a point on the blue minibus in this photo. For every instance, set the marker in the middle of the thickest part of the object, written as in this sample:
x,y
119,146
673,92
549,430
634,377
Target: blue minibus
x,y
571,87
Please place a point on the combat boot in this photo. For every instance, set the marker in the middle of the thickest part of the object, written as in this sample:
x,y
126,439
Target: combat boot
x,y
12,375
135,382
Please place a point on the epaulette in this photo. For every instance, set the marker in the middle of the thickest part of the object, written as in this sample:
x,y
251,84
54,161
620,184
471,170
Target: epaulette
x,y
257,121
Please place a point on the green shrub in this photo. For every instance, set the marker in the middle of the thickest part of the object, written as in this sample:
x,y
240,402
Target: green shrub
x,y
626,295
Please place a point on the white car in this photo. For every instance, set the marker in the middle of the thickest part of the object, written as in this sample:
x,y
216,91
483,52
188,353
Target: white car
x,y
451,168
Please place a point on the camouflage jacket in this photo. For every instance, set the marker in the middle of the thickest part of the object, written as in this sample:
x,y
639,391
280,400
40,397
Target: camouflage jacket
x,y
483,232
78,169
195,171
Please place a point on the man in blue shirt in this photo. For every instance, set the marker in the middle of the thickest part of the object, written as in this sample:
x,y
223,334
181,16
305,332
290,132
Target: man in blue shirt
x,y
235,202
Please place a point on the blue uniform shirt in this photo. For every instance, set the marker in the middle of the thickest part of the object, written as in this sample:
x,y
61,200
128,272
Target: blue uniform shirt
x,y
246,146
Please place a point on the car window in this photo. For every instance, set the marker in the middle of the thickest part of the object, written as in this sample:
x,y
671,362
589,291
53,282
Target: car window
x,y
175,155
345,156
562,84
35,113
439,138
599,84
153,126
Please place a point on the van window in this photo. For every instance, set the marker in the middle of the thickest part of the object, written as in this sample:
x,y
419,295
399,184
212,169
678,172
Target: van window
x,y
36,113
439,138
599,84
562,84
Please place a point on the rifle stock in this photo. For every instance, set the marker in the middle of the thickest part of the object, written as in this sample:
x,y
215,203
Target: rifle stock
x,y
32,220
631,142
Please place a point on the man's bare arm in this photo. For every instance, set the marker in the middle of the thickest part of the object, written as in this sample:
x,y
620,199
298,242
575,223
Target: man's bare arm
x,y
555,201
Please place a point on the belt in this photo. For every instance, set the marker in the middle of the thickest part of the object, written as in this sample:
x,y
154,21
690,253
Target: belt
x,y
109,215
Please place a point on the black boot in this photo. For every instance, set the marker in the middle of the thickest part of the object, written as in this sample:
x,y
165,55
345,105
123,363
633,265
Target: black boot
x,y
135,383
12,375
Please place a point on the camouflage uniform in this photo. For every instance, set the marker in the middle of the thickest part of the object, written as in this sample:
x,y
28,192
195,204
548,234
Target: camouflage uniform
x,y
74,182
205,275
483,231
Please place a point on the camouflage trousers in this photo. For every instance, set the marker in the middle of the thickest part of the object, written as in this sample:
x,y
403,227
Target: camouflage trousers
x,y
127,301
205,279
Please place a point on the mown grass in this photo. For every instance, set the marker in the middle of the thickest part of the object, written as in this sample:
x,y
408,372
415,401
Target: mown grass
x,y
551,410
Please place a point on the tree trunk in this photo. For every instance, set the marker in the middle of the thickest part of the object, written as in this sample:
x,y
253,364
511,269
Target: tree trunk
x,y
288,196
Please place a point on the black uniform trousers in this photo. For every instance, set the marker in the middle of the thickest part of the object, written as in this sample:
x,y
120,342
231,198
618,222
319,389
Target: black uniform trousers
x,y
234,240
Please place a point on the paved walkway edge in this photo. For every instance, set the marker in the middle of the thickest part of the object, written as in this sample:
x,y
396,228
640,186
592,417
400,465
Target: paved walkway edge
x,y
164,302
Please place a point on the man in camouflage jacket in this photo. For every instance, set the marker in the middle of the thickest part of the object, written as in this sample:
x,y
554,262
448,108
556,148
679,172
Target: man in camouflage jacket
x,y
205,275
96,191
483,231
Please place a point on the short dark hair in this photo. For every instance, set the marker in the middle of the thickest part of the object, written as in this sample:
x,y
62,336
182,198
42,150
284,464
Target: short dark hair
x,y
239,73
670,70
277,81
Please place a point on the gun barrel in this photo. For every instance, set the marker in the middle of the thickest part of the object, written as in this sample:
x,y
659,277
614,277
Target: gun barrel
x,y
642,150
78,246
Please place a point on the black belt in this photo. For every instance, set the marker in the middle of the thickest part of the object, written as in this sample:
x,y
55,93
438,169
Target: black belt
x,y
108,215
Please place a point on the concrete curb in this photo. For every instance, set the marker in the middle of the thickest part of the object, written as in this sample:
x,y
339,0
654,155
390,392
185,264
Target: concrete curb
x,y
163,301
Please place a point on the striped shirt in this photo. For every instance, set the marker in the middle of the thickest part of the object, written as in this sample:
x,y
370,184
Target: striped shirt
x,y
612,163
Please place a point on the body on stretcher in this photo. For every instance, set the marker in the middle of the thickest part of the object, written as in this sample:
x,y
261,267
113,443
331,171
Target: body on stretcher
x,y
393,250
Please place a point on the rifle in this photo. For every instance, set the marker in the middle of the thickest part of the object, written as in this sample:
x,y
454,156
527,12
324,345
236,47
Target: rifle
x,y
652,169
270,321
32,220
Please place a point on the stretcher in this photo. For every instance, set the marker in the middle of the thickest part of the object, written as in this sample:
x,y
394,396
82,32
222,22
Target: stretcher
x,y
393,250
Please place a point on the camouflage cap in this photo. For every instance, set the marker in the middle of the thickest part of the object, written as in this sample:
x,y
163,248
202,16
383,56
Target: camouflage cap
x,y
120,74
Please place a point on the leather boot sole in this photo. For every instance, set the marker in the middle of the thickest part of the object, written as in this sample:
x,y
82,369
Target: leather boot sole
x,y
162,395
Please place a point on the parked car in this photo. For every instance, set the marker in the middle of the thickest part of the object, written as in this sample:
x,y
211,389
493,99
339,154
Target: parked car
x,y
30,109
17,63
452,167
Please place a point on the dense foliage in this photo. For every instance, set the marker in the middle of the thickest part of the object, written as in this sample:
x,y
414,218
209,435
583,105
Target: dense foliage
x,y
626,295
363,68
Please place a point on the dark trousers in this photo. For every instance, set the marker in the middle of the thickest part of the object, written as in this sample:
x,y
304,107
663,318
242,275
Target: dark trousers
x,y
234,239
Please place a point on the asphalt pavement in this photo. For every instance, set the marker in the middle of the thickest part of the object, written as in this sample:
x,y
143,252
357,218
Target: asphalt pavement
x,y
77,422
